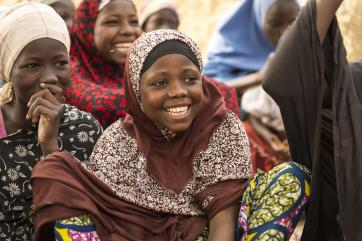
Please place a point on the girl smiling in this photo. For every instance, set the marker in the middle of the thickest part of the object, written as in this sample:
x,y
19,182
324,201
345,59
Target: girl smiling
x,y
174,169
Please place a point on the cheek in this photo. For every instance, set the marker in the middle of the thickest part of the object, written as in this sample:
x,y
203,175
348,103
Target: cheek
x,y
64,79
197,95
137,32
150,102
102,40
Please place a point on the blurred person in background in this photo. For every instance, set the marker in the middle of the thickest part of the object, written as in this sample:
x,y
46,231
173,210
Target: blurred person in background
x,y
246,37
319,95
65,9
238,55
101,35
158,14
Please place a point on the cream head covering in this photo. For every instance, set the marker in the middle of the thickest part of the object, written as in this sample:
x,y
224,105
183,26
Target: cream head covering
x,y
48,2
150,7
20,25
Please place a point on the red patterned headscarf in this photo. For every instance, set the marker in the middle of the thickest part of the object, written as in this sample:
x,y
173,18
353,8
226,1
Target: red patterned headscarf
x,y
97,84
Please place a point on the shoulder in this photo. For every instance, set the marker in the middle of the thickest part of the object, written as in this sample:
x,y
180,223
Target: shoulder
x,y
74,116
231,136
227,156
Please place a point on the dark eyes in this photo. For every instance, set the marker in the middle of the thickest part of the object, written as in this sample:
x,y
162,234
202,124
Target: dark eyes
x,y
159,83
115,22
62,63
188,79
191,78
111,22
134,22
31,65
275,23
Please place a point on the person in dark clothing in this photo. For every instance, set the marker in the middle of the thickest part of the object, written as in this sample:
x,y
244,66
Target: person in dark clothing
x,y
318,93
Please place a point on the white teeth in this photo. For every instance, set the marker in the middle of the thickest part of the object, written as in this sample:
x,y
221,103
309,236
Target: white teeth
x,y
178,111
124,45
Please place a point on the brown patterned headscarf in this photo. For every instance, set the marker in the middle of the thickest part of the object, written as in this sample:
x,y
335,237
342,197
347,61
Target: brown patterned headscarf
x,y
169,159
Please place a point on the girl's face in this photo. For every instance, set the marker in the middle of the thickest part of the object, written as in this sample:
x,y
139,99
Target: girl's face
x,y
163,19
278,17
66,10
115,30
41,61
171,92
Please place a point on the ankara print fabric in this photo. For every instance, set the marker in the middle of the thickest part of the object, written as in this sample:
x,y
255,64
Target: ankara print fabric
x,y
273,203
19,153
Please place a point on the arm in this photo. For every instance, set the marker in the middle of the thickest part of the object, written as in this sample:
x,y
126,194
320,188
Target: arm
x,y
326,9
244,82
222,225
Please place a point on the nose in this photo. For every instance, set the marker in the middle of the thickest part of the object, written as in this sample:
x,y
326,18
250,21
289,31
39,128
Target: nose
x,y
126,29
49,76
177,90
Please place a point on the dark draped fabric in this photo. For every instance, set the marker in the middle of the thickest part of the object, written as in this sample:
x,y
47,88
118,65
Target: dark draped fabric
x,y
318,93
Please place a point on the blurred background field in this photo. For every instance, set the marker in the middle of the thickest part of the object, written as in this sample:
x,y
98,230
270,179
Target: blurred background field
x,y
200,17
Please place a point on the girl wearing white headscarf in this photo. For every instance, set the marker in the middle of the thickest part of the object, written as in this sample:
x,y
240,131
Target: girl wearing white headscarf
x,y
33,121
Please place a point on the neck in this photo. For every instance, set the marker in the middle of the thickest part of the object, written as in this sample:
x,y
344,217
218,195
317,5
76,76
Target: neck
x,y
15,116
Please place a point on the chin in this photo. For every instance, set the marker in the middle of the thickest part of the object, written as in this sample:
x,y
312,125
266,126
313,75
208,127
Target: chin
x,y
179,127
119,60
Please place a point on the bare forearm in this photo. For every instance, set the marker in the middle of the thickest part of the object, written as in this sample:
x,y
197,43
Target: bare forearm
x,y
244,82
50,147
222,226
326,9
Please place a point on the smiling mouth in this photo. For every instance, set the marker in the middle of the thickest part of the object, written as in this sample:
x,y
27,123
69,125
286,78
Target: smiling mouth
x,y
178,112
122,47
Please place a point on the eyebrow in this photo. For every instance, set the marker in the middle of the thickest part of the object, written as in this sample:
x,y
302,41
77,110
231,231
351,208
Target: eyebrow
x,y
39,58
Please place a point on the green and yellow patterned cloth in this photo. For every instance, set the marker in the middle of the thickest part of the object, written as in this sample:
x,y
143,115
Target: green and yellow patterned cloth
x,y
270,208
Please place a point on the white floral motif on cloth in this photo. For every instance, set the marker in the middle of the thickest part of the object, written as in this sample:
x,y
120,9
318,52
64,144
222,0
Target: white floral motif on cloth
x,y
19,153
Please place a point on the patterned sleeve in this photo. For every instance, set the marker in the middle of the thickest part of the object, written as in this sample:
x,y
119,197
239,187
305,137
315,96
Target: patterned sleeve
x,y
106,104
75,229
223,167
78,132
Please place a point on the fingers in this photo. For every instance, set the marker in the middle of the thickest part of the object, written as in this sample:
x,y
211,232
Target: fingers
x,y
55,90
49,110
45,102
46,94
